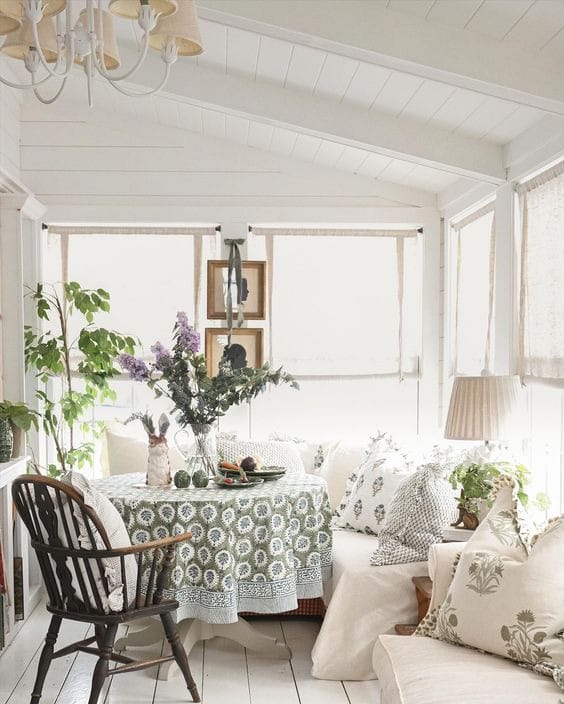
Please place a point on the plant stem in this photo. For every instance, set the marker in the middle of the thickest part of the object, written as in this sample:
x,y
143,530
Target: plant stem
x,y
64,335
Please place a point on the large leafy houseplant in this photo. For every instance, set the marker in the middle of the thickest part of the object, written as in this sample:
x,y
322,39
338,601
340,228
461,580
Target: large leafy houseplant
x,y
76,370
181,375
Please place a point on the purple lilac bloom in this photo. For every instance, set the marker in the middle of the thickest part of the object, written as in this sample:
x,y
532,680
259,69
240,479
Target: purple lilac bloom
x,y
138,370
162,355
187,338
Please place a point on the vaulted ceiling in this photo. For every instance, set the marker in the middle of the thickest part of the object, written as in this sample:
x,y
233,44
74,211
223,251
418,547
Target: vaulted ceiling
x,y
416,92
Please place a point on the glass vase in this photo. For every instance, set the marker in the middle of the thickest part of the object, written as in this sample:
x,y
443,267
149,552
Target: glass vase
x,y
205,450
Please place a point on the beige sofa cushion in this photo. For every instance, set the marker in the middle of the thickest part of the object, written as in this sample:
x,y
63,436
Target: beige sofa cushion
x,y
364,601
415,670
342,461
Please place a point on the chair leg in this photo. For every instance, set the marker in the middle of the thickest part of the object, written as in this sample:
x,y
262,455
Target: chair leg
x,y
101,669
46,657
179,654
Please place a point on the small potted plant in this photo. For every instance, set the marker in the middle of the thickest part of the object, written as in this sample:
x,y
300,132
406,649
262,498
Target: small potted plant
x,y
474,477
15,419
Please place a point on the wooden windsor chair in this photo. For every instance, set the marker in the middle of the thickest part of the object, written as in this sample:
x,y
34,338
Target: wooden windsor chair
x,y
73,576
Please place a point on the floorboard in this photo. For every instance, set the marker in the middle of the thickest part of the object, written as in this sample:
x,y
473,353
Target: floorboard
x,y
225,672
271,680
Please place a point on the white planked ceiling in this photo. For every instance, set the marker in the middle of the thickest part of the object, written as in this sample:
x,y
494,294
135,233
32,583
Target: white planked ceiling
x,y
536,25
170,111
363,85
366,87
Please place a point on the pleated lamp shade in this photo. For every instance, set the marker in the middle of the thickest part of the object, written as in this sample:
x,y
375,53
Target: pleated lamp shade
x,y
484,408
130,8
17,43
182,27
111,52
8,24
14,8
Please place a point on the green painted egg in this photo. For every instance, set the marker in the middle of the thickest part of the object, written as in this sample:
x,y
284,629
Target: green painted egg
x,y
200,479
182,479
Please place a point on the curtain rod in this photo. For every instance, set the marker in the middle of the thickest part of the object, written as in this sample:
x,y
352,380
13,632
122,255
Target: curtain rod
x,y
337,231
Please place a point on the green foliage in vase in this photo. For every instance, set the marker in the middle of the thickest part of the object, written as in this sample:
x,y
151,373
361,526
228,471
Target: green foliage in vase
x,y
181,374
76,370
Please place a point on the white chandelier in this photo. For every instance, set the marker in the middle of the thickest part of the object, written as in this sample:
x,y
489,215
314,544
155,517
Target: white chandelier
x,y
49,49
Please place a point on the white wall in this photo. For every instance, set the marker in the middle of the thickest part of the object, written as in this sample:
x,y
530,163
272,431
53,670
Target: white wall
x,y
10,105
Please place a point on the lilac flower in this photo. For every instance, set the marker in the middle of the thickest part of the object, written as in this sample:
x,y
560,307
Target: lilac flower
x,y
186,337
162,356
138,370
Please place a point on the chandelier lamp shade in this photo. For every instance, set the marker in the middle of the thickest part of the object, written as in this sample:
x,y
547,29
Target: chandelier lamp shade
x,y
484,407
53,36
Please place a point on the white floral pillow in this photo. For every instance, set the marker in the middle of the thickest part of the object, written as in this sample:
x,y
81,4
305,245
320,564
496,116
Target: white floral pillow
x,y
371,494
503,598
381,447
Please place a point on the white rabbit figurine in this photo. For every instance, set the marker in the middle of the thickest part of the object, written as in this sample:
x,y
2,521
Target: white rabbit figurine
x,y
158,465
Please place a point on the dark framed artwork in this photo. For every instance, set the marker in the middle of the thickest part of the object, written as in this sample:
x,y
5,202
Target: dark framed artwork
x,y
253,289
246,348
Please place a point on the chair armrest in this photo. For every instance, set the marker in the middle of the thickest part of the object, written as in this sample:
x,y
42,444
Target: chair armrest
x,y
143,547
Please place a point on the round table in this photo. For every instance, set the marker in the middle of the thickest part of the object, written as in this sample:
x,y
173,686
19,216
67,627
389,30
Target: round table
x,y
256,549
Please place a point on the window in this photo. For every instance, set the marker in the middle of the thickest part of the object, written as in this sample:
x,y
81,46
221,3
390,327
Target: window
x,y
336,305
541,319
474,242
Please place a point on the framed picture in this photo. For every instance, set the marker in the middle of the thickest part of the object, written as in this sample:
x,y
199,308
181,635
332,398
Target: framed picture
x,y
245,350
253,289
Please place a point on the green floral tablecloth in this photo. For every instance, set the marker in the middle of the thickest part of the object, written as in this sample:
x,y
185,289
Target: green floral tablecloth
x,y
257,549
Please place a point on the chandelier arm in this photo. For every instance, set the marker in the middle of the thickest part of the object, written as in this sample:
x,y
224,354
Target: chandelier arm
x,y
24,86
70,53
48,101
101,65
135,94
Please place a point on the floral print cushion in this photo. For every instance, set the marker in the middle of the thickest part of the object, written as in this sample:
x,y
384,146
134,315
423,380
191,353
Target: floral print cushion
x,y
368,492
506,599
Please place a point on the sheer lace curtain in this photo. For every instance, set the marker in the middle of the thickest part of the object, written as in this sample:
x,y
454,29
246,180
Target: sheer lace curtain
x,y
541,313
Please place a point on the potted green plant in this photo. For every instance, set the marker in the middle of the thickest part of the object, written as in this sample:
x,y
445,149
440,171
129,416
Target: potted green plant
x,y
474,479
15,418
78,365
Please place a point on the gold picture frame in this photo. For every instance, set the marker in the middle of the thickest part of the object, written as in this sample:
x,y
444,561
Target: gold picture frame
x,y
249,339
254,288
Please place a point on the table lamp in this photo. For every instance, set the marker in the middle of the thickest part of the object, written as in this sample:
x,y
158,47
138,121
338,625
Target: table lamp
x,y
483,407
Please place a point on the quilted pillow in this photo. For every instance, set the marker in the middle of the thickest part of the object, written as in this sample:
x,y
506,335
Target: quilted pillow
x,y
273,453
505,599
370,491
422,506
117,535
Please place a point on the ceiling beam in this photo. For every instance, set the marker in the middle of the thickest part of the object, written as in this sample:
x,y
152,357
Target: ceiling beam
x,y
404,139
365,30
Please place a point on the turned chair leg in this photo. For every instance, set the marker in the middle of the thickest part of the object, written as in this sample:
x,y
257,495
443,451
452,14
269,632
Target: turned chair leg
x,y
179,654
46,657
101,669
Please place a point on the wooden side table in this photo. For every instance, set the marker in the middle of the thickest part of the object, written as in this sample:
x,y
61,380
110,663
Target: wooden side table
x,y
423,590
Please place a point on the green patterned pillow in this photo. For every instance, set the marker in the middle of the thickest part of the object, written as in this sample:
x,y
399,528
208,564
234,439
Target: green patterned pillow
x,y
504,599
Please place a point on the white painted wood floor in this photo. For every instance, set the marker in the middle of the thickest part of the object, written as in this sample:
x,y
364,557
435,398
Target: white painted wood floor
x,y
226,673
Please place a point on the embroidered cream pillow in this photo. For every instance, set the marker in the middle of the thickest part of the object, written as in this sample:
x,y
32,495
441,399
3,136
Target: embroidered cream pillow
x,y
504,599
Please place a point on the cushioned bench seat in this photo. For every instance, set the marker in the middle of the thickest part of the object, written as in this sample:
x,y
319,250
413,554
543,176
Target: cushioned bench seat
x,y
416,670
363,602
